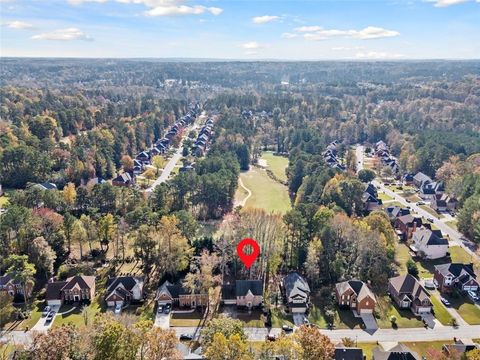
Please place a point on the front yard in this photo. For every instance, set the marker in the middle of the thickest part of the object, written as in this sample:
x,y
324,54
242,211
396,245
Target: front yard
x,y
431,211
280,318
192,319
35,315
405,318
440,312
80,317
467,310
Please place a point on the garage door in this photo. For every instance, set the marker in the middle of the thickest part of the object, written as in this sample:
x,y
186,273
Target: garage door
x,y
423,310
366,311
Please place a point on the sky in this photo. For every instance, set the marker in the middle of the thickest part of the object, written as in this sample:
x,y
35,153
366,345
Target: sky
x,y
242,29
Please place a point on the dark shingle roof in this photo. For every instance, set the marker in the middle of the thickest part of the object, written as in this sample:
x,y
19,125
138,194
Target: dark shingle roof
x,y
243,286
455,269
344,353
294,283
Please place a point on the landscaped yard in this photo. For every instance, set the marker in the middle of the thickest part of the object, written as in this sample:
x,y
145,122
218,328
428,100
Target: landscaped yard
x,y
279,318
254,319
186,319
421,347
392,203
267,194
384,197
277,164
78,317
441,312
458,254
467,310
405,318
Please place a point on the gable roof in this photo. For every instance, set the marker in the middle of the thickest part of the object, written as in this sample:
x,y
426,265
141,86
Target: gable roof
x,y
407,284
242,287
348,353
47,186
127,282
421,177
428,238
84,282
399,352
358,287
295,285
409,219
456,269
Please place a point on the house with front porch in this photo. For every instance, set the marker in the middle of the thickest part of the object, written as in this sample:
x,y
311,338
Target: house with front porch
x,y
455,276
429,244
123,290
177,295
407,293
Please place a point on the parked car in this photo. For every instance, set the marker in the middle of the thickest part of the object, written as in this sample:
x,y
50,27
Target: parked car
x,y
160,309
49,317
118,309
429,284
472,295
430,219
46,310
186,337
408,201
287,328
445,301
271,337
167,310
420,203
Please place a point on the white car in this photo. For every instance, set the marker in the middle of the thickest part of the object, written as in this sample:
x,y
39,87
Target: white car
x,y
472,295
429,284
118,309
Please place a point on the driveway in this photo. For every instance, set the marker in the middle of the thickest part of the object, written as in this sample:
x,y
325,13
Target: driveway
x,y
454,313
162,320
369,321
298,319
41,324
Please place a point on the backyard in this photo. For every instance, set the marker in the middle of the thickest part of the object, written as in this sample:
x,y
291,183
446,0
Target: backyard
x,y
267,194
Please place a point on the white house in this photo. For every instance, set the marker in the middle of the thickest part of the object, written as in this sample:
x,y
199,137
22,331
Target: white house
x,y
429,244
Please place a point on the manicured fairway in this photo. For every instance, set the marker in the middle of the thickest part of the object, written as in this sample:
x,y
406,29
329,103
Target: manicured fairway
x,y
277,164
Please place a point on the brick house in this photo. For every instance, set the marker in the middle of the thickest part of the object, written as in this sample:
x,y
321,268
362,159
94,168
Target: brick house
x,y
14,287
123,290
244,293
406,225
169,293
407,293
455,276
355,295
74,289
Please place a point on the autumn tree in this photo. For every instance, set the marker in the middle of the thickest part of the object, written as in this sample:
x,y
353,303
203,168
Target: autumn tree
x,y
161,344
90,229
159,162
223,348
42,256
69,195
127,163
59,343
79,235
106,231
314,345
22,271
222,325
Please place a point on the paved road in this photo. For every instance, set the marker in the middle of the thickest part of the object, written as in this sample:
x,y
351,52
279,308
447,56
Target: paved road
x,y
171,163
454,235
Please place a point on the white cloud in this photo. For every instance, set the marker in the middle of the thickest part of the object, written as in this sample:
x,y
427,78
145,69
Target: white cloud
x,y
63,35
162,7
377,55
317,33
265,19
346,48
18,25
252,45
446,3
287,35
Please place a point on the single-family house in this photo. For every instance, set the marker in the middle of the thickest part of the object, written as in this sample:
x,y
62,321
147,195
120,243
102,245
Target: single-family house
x,y
429,190
455,276
420,178
443,202
46,186
407,179
394,212
244,293
123,290
429,244
169,293
296,292
398,352
13,287
407,225
459,348
355,295
348,353
407,293
74,289
143,157
124,179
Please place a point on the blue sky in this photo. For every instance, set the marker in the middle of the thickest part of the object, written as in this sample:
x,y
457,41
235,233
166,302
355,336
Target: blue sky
x,y
242,29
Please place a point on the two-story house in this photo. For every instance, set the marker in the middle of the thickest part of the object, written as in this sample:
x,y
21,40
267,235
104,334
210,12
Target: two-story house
x,y
355,295
407,293
74,289
169,293
14,287
244,293
429,244
407,225
455,276
296,292
124,290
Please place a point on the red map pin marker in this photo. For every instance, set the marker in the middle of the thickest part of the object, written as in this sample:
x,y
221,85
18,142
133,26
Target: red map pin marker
x,y
248,259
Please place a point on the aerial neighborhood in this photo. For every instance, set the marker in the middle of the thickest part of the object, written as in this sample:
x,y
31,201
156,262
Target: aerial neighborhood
x,y
293,211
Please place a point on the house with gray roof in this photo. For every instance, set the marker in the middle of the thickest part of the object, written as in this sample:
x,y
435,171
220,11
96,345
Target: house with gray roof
x,y
429,244
455,276
407,293
355,295
123,290
296,292
243,293
398,352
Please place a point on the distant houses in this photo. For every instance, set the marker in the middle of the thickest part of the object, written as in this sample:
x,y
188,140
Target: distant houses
x,y
330,156
124,179
382,152
296,293
46,186
370,199
200,146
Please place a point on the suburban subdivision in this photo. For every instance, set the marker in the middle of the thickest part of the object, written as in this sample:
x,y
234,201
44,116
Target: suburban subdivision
x,y
122,204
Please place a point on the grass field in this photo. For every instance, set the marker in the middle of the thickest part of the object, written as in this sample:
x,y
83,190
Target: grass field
x,y
277,164
452,224
279,318
467,310
77,317
267,194
440,312
384,197
458,254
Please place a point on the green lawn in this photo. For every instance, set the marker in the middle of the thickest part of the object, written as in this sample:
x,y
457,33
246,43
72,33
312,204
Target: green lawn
x,y
452,224
421,347
188,319
277,164
441,312
431,211
405,318
458,254
279,318
254,319
267,194
467,310
367,349
384,197
35,315
393,203
78,317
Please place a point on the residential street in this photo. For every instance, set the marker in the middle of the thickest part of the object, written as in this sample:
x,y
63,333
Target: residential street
x,y
453,234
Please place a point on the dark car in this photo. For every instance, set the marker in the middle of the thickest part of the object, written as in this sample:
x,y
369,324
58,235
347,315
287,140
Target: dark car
x,y
186,337
50,317
46,311
167,310
271,337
